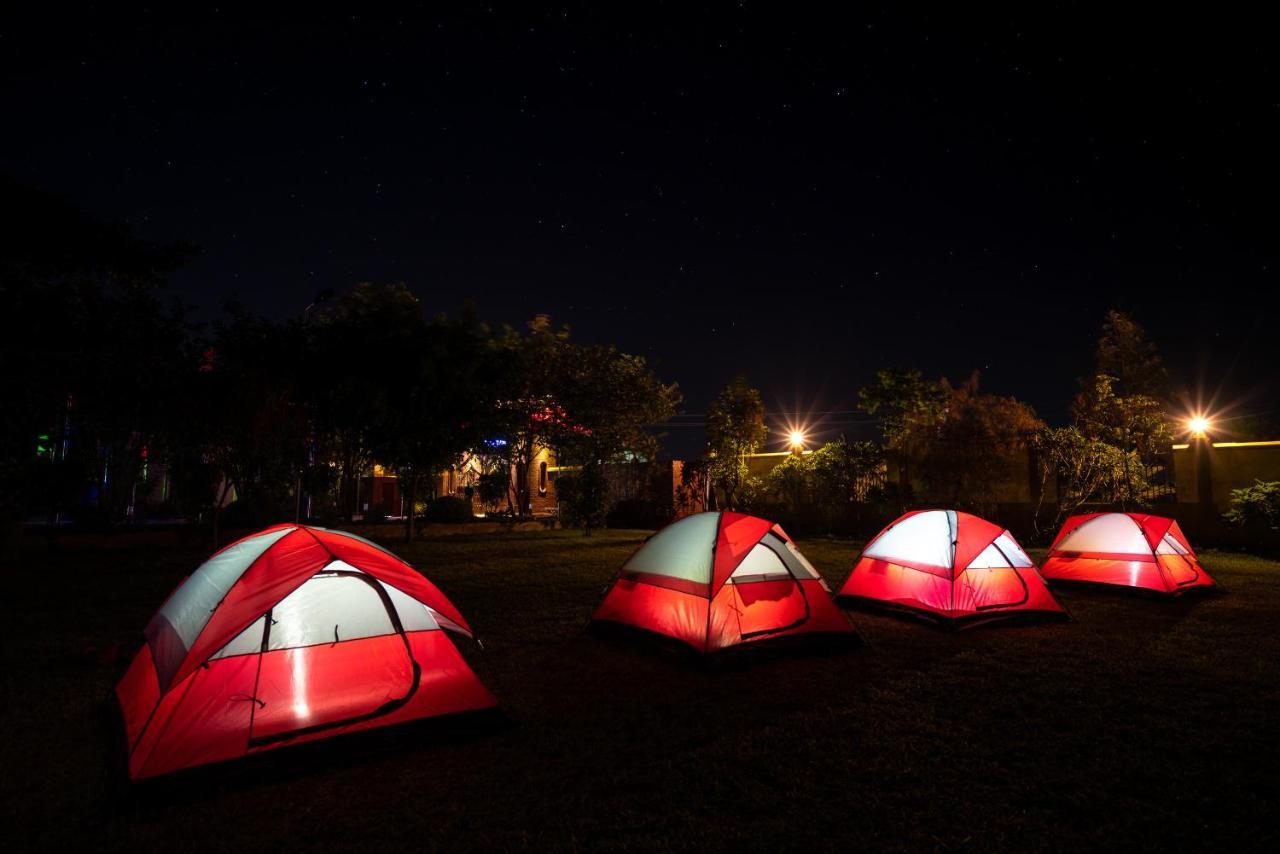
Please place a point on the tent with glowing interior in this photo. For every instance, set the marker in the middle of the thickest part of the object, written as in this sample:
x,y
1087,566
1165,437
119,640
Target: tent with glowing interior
x,y
1134,550
292,634
950,566
718,580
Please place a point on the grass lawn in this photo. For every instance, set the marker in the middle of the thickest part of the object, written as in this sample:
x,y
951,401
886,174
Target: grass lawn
x,y
1143,723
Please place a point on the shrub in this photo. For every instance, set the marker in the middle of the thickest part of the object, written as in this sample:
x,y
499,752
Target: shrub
x,y
449,508
583,499
751,493
1256,506
493,488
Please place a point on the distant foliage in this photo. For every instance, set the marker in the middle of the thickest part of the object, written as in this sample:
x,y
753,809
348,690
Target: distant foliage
x,y
957,442
823,491
908,406
1257,505
124,402
1086,470
839,472
494,489
735,429
583,499
974,446
592,404
1125,354
1136,427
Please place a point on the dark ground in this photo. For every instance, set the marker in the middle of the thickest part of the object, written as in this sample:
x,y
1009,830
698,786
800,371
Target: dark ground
x,y
1142,724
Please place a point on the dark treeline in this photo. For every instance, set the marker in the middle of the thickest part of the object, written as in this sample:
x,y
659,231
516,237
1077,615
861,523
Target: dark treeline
x,y
108,385
118,408
955,445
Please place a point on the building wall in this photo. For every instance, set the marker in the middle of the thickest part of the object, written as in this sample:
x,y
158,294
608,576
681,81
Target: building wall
x,y
1232,465
541,485
658,483
759,465
380,492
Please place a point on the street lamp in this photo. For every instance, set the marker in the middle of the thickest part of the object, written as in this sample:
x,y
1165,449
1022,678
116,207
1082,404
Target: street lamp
x,y
1198,426
797,440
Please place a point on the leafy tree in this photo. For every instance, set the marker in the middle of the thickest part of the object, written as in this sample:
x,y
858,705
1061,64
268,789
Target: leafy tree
x,y
131,369
735,428
791,482
610,401
584,498
494,488
820,488
246,415
1136,426
439,401
910,409
89,350
361,358
1120,429
1125,354
974,445
958,442
592,405
843,471
1085,470
836,474
525,414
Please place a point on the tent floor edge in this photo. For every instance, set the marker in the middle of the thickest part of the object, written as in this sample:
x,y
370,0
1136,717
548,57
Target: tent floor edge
x,y
289,761
1191,592
906,612
879,606
835,641
1012,618
814,642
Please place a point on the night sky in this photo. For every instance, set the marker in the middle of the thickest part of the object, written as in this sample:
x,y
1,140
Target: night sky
x,y
738,188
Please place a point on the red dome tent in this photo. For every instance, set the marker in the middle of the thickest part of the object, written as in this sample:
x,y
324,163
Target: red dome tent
x,y
718,580
290,635
951,566
1127,550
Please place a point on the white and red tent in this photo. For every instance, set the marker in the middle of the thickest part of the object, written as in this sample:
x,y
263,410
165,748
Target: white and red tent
x,y
1135,550
290,635
718,580
951,566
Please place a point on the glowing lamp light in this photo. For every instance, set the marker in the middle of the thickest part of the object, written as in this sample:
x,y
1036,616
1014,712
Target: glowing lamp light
x,y
1199,426
797,438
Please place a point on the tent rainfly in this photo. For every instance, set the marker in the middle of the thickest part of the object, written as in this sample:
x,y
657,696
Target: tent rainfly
x,y
950,566
1134,550
718,580
292,634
